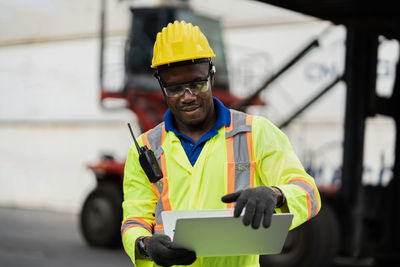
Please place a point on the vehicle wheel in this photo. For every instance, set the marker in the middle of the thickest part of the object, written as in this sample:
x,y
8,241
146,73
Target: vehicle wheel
x,y
313,244
101,216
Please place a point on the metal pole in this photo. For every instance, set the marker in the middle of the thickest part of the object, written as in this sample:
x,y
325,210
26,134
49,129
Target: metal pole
x,y
360,77
387,253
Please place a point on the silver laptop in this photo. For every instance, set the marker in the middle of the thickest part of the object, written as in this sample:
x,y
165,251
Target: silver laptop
x,y
218,233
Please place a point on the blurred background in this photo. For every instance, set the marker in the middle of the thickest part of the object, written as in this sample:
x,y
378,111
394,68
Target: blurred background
x,y
74,73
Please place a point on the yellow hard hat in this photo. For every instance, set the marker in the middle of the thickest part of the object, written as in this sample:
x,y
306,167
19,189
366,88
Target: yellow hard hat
x,y
180,41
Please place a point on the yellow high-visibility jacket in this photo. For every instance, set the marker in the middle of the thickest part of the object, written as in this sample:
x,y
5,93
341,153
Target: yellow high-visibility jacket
x,y
249,153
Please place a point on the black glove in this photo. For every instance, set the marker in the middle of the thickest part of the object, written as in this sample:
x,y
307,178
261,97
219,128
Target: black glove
x,y
258,201
163,252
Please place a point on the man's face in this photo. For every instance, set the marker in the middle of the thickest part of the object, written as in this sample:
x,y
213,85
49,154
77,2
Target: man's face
x,y
189,110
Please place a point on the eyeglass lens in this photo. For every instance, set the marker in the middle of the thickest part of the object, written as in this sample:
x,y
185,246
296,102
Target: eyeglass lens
x,y
194,88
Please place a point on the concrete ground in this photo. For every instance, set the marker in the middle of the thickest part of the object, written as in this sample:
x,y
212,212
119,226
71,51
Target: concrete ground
x,y
46,239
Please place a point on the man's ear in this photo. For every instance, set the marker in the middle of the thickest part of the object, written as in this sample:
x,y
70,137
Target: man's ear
x,y
212,77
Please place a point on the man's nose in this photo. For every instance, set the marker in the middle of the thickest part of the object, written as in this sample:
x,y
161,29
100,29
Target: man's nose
x,y
188,95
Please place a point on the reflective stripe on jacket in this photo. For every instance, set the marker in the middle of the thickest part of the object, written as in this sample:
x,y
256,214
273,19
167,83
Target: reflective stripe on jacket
x,y
250,152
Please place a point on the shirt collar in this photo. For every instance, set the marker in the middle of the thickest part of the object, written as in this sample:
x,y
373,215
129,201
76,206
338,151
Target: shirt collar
x,y
223,117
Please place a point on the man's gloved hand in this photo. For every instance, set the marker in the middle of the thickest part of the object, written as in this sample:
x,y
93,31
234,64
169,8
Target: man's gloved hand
x,y
259,201
163,252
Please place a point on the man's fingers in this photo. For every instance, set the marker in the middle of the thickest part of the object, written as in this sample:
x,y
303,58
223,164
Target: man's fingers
x,y
249,212
180,255
161,244
241,202
231,197
174,254
164,239
259,204
268,216
186,258
165,253
258,214
177,247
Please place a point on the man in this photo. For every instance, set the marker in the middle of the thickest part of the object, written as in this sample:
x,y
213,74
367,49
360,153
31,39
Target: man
x,y
206,152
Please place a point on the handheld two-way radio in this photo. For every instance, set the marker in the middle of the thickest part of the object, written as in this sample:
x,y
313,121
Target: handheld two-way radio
x,y
148,161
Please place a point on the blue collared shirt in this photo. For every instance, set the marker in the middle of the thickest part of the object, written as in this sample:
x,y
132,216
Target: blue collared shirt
x,y
191,148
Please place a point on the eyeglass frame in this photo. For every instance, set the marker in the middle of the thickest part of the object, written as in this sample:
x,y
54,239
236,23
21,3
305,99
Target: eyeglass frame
x,y
189,86
211,71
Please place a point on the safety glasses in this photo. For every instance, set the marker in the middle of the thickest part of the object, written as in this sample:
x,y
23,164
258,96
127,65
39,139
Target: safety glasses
x,y
177,90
